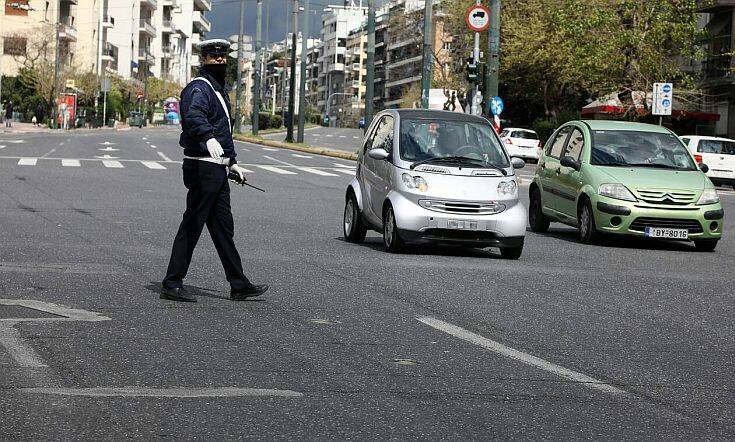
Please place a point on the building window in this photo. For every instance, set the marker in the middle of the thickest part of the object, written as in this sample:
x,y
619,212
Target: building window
x,y
14,46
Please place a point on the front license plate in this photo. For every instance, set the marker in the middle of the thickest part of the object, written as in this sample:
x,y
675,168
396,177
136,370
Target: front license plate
x,y
460,224
658,232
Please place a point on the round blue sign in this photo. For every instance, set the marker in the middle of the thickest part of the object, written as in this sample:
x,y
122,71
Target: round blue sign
x,y
667,88
666,103
497,106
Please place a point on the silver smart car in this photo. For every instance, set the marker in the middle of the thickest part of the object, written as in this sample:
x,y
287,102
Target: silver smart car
x,y
430,176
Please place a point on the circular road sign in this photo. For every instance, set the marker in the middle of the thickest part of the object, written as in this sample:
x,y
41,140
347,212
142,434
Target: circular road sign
x,y
478,18
667,88
497,106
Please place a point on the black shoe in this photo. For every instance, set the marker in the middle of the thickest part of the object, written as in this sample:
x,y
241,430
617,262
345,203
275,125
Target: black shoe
x,y
177,294
243,294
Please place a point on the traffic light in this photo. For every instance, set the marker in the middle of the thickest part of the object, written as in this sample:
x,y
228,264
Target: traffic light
x,y
471,68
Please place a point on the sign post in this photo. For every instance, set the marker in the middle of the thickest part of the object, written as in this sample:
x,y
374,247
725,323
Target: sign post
x,y
478,20
663,100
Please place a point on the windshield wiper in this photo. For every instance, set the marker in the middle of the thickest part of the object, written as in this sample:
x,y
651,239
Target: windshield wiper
x,y
459,160
657,165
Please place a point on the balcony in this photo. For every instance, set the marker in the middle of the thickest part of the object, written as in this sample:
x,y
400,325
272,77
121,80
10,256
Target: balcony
x,y
167,51
108,52
147,28
356,66
71,2
203,5
145,55
356,84
149,4
168,27
195,60
108,22
67,31
172,3
713,6
201,24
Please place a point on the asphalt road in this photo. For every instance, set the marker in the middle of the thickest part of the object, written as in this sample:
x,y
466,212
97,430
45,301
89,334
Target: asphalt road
x,y
627,340
345,139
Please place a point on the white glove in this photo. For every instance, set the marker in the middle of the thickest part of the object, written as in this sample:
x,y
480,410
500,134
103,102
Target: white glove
x,y
238,170
214,148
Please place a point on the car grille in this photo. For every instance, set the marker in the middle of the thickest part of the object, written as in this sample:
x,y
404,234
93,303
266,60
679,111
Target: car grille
x,y
668,197
461,235
692,225
487,208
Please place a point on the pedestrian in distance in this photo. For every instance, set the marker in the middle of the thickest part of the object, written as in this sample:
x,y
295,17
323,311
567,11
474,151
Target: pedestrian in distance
x,y
209,155
39,114
9,114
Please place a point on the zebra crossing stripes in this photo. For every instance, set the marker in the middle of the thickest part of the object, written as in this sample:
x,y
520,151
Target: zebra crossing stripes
x,y
112,164
27,161
277,170
316,171
153,165
71,163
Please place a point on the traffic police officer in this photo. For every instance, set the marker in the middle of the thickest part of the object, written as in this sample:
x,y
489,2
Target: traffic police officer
x,y
209,155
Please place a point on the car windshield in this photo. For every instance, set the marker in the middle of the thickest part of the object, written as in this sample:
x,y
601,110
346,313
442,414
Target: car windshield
x,y
721,147
427,139
527,135
640,149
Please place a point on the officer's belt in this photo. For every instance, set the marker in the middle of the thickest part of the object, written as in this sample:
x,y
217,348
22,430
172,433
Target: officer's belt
x,y
220,161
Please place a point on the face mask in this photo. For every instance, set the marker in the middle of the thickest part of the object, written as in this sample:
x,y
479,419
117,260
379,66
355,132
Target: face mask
x,y
217,71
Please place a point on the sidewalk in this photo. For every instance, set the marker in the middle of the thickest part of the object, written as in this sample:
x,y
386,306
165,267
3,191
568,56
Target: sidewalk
x,y
29,128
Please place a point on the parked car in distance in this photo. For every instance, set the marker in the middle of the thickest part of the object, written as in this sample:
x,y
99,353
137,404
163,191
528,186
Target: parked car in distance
x,y
434,176
521,143
717,153
623,178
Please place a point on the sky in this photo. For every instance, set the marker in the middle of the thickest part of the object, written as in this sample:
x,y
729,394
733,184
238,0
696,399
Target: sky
x,y
225,18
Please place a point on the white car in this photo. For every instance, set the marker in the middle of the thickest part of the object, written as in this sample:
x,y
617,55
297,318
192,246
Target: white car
x,y
521,143
717,153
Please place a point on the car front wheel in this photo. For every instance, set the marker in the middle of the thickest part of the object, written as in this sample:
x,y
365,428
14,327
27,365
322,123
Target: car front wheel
x,y
536,218
392,242
587,229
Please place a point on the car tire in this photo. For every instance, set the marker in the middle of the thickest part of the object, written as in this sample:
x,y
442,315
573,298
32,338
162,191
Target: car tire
x,y
353,227
536,219
588,233
705,245
391,241
511,252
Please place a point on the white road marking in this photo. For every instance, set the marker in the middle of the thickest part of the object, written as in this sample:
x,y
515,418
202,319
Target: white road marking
x,y
344,170
107,143
61,144
343,136
301,156
277,170
15,141
14,345
356,138
315,171
153,165
112,164
172,392
71,163
27,161
270,149
163,155
315,135
145,138
2,146
245,149
153,146
109,149
49,153
350,166
329,136
244,169
534,361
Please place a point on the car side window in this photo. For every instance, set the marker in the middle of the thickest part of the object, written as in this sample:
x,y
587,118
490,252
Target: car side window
x,y
575,145
685,140
384,134
371,138
556,146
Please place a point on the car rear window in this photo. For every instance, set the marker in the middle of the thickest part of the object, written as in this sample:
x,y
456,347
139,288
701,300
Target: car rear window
x,y
721,147
525,135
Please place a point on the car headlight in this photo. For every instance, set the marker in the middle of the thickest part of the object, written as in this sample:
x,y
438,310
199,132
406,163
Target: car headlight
x,y
615,190
508,188
709,196
415,182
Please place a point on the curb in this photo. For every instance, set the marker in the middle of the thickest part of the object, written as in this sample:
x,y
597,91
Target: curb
x,y
308,149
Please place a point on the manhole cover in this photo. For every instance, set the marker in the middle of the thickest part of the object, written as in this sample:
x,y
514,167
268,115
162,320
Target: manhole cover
x,y
401,361
324,321
20,312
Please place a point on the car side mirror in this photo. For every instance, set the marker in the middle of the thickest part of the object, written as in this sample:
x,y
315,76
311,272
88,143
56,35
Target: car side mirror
x,y
517,163
703,167
568,161
379,154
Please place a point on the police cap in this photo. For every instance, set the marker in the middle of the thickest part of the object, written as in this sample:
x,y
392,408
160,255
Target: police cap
x,y
215,46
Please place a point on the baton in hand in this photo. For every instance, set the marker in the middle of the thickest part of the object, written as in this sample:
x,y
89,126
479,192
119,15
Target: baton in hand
x,y
234,176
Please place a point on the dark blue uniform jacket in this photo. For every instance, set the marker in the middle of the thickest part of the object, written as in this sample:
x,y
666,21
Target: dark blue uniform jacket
x,y
202,118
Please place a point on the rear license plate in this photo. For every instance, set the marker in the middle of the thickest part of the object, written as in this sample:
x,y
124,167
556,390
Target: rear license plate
x,y
461,224
658,232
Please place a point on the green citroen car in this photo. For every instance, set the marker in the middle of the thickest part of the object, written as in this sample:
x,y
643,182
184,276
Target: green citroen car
x,y
622,178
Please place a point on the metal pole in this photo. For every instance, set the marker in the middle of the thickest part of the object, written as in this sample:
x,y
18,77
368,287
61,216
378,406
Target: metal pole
x,y
57,62
428,56
493,49
476,61
370,65
302,80
292,78
256,85
238,90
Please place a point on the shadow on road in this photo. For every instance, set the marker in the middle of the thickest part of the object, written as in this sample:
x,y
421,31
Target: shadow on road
x,y
621,242
376,243
155,287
